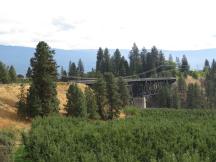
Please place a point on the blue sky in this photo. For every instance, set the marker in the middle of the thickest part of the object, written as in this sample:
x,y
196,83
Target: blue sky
x,y
88,24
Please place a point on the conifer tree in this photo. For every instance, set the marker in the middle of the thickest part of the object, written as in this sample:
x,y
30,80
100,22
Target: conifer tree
x,y
4,78
12,74
210,86
170,58
178,63
21,104
80,68
123,92
106,62
42,97
29,73
168,97
206,66
175,98
164,97
69,68
76,103
112,96
63,74
161,61
185,66
194,96
124,69
116,62
155,56
91,103
169,70
72,69
135,60
182,89
143,56
99,62
101,97
34,103
149,61
161,58
153,60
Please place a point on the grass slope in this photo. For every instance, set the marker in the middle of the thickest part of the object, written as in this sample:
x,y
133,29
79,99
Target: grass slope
x,y
9,96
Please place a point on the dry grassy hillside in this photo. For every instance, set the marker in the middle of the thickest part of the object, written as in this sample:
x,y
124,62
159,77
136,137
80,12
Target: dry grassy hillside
x,y
9,96
191,80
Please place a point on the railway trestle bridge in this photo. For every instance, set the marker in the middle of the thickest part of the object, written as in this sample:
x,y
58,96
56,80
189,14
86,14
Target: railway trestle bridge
x,y
139,88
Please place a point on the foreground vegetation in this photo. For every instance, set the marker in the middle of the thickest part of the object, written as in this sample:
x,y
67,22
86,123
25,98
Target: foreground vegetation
x,y
147,136
7,140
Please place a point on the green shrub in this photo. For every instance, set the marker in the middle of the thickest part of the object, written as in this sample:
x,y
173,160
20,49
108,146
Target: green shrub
x,y
153,135
132,110
7,139
20,155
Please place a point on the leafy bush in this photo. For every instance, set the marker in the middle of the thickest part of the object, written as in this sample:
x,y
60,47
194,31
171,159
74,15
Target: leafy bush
x,y
153,135
7,139
20,155
132,110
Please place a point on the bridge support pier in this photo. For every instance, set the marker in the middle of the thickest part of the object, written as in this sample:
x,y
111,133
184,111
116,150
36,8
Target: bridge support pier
x,y
144,102
140,102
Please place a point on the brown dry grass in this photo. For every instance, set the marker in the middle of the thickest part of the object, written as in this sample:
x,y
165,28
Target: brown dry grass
x,y
191,80
9,96
8,112
122,115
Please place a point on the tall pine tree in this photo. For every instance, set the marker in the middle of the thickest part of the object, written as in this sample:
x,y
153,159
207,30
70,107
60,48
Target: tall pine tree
x,y
143,56
184,66
21,104
29,73
210,86
80,68
76,103
106,62
112,96
123,92
194,96
12,74
206,66
101,97
124,69
99,62
91,103
182,89
72,69
4,77
116,62
42,97
135,60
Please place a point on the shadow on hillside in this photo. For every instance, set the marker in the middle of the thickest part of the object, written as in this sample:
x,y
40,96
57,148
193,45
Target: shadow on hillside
x,y
8,114
7,101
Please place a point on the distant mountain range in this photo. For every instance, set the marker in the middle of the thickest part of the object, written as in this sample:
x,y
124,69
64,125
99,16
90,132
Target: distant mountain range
x,y
20,56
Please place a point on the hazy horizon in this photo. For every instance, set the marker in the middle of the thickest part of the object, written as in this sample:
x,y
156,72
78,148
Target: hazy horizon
x,y
129,48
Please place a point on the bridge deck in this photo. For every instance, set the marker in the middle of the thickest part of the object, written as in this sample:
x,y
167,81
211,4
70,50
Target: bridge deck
x,y
131,81
170,79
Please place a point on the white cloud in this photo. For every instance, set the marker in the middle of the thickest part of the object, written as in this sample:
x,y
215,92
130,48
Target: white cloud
x,y
62,25
168,24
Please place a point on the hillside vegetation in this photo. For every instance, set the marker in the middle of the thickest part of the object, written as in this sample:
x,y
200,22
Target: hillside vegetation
x,y
8,99
149,136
